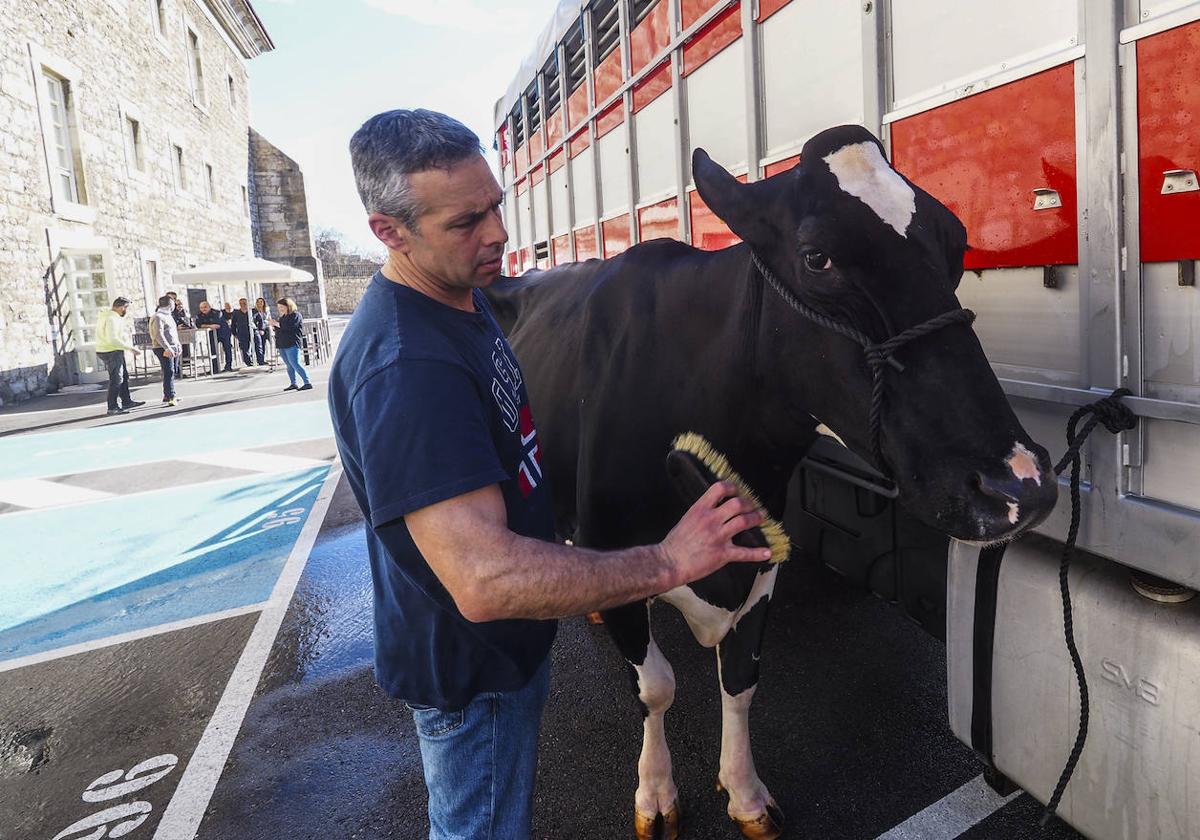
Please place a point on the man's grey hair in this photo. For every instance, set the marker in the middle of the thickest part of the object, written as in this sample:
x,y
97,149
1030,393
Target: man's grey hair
x,y
391,146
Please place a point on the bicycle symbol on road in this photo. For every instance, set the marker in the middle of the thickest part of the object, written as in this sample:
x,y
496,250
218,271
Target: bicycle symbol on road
x,y
119,820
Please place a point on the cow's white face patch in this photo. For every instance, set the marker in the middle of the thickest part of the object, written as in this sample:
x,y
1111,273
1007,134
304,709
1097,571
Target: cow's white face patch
x,y
863,173
1024,464
1014,512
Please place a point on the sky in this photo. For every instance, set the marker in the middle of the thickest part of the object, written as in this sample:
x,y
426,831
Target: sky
x,y
338,62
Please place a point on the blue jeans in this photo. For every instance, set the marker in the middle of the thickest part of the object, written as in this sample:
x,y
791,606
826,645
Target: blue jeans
x,y
480,763
167,363
291,358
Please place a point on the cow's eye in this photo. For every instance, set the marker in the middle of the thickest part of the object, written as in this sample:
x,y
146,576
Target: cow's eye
x,y
817,260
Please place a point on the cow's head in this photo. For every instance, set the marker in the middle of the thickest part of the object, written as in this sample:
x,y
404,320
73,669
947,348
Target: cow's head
x,y
853,239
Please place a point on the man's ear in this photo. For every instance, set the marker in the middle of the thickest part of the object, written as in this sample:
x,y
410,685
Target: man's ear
x,y
390,231
746,208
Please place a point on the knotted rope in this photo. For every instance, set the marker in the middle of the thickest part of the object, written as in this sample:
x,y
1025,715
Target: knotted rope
x,y
1116,417
879,355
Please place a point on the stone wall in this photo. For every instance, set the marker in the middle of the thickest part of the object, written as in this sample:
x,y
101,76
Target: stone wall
x,y
282,230
117,66
346,276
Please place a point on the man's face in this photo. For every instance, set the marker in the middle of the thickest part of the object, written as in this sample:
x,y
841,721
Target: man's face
x,y
460,236
228,307
120,310
204,307
242,304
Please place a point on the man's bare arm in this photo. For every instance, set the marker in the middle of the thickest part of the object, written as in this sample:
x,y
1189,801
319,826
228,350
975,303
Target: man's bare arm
x,y
493,573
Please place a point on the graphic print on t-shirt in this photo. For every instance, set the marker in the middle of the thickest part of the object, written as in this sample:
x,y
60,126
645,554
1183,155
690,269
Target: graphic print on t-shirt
x,y
506,389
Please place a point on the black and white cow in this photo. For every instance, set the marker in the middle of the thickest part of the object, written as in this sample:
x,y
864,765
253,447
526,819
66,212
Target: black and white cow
x,y
621,356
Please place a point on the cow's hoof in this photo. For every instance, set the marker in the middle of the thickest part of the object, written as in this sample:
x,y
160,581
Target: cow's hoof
x,y
766,826
657,826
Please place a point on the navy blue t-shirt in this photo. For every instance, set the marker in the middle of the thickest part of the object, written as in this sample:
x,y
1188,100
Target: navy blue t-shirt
x,y
428,403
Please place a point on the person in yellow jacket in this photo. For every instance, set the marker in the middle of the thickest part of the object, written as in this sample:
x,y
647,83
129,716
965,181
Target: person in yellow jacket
x,y
114,337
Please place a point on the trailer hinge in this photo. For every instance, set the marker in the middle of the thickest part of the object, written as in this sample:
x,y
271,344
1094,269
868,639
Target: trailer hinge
x,y
1122,159
1124,258
1125,367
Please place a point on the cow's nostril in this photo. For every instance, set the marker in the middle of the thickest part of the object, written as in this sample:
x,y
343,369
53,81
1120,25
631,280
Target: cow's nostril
x,y
1004,491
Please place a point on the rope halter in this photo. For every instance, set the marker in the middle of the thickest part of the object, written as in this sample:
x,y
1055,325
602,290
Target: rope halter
x,y
879,355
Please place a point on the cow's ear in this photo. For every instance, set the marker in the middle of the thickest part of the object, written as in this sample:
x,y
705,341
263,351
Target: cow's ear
x,y
746,208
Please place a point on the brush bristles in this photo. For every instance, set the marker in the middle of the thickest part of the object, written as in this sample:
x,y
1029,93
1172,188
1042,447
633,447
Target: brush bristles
x,y
777,538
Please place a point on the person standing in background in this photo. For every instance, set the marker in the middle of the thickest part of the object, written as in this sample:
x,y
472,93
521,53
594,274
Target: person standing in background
x,y
262,329
114,338
289,336
182,322
164,336
240,321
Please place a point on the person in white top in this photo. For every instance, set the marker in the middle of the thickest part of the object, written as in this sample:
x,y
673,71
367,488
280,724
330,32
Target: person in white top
x,y
165,338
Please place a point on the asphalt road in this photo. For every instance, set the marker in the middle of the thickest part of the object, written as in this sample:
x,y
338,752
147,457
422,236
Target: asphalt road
x,y
139,677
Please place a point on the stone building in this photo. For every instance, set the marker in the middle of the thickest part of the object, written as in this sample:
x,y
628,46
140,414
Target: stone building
x,y
282,233
124,157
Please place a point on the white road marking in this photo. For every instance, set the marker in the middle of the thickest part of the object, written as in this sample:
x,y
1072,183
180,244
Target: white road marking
x,y
122,638
863,173
239,459
308,464
181,819
953,814
38,493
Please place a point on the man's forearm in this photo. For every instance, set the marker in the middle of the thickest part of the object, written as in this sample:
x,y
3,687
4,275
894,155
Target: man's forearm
x,y
535,579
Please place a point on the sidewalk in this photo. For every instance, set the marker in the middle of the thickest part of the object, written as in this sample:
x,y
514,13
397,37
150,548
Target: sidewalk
x,y
83,406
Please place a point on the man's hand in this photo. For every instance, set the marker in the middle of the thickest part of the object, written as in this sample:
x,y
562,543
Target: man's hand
x,y
702,542
168,352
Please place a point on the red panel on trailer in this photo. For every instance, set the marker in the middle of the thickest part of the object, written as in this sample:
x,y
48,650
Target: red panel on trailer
x,y
536,145
512,263
607,77
522,186
616,235
1168,66
780,166
577,108
984,156
653,86
554,129
502,138
585,243
766,8
719,34
709,233
537,175
650,37
557,160
612,117
560,249
580,142
521,161
526,258
693,10
659,221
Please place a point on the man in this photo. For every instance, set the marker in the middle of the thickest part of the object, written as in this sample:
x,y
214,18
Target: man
x,y
114,338
211,320
182,321
467,577
240,321
164,336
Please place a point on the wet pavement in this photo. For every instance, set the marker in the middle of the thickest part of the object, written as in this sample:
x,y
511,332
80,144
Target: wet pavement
x,y
141,592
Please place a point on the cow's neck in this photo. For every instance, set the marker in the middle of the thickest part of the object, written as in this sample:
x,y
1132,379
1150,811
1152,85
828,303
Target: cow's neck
x,y
766,423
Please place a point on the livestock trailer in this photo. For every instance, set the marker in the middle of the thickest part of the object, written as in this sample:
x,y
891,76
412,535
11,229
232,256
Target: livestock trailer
x,y
1066,136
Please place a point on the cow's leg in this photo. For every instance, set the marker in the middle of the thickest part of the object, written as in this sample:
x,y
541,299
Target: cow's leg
x,y
751,805
656,802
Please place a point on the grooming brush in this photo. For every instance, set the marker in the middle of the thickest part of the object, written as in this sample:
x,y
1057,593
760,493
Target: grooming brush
x,y
693,466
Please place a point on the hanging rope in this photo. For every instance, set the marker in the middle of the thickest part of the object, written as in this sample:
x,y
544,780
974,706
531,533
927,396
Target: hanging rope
x,y
879,355
1116,417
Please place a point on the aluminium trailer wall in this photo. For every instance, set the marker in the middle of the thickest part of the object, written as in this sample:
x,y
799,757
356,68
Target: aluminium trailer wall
x,y
1065,134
